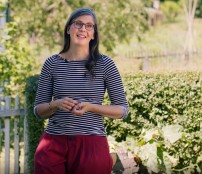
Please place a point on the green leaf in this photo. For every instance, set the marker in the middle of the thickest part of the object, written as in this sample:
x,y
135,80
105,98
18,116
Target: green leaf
x,y
172,133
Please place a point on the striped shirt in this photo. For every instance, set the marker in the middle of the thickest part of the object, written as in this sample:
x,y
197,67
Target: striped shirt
x,y
60,78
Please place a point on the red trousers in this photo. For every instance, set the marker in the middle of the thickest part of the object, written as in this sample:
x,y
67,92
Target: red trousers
x,y
66,154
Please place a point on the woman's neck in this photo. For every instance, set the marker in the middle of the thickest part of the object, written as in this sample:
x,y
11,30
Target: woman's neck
x,y
76,54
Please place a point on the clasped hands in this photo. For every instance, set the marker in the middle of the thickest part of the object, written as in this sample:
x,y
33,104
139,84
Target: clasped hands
x,y
75,106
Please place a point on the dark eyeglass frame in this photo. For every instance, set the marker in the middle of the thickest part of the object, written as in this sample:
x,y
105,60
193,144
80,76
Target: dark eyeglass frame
x,y
82,24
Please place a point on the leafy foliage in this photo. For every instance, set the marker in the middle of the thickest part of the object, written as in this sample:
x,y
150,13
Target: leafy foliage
x,y
165,115
35,127
16,62
199,9
41,21
45,20
171,10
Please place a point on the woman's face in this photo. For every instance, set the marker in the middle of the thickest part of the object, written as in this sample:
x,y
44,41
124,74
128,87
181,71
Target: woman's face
x,y
81,31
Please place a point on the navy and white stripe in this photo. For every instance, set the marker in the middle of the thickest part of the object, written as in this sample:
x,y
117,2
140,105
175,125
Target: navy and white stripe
x,y
61,78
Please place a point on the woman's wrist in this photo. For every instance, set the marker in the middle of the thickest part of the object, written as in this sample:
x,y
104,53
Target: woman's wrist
x,y
52,106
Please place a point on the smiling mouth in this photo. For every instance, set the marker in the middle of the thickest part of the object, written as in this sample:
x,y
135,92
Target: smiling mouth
x,y
81,36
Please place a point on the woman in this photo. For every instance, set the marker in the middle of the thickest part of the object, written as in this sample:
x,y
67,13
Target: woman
x,y
70,93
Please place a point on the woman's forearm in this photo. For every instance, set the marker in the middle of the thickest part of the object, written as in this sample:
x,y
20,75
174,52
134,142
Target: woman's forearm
x,y
111,111
45,110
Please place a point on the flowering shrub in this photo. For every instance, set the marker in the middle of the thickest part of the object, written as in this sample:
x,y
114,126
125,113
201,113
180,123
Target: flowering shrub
x,y
164,123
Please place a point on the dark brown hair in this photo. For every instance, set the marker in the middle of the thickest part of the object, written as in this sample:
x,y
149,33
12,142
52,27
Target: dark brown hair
x,y
93,45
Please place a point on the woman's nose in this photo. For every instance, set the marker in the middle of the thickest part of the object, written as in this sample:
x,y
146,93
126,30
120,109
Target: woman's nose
x,y
83,27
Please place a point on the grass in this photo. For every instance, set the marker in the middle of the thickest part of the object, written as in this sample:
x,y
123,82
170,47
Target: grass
x,y
127,65
161,39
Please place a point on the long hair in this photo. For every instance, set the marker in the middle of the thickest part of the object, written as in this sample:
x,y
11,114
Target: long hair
x,y
93,45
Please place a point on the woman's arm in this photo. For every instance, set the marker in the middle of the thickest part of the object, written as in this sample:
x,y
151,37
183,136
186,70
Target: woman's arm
x,y
115,89
111,111
46,110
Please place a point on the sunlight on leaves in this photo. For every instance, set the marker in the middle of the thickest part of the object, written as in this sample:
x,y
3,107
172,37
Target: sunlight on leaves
x,y
172,133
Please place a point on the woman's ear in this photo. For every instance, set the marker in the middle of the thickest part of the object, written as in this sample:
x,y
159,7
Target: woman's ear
x,y
68,30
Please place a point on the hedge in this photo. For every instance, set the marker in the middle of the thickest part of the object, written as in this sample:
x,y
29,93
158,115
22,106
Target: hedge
x,y
35,127
159,101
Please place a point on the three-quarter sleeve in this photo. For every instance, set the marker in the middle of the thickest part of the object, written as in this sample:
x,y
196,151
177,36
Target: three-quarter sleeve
x,y
114,86
45,83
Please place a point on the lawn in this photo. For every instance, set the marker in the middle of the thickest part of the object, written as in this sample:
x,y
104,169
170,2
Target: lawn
x,y
164,39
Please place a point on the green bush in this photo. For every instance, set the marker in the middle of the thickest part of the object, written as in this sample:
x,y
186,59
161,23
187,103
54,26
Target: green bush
x,y
159,101
16,61
35,126
199,9
171,10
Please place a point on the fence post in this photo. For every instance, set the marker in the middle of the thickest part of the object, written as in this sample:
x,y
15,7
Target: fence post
x,y
145,63
16,137
7,137
25,139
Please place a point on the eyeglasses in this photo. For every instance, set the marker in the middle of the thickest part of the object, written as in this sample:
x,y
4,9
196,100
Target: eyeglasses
x,y
79,25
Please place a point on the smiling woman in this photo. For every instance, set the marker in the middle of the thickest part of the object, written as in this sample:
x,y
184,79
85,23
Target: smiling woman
x,y
81,32
70,93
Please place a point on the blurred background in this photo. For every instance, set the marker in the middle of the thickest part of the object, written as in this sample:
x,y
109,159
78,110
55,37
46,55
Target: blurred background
x,y
148,35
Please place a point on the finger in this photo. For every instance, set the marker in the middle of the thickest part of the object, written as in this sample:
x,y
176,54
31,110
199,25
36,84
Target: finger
x,y
69,108
67,104
77,110
64,105
78,107
71,102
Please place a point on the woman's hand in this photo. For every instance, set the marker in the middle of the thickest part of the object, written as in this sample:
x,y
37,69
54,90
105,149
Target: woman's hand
x,y
66,104
80,108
